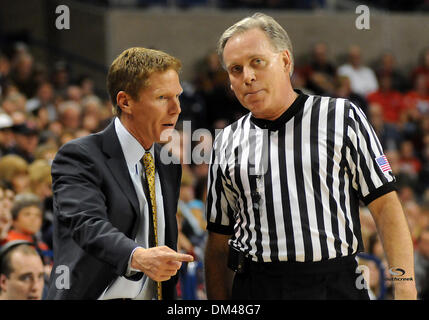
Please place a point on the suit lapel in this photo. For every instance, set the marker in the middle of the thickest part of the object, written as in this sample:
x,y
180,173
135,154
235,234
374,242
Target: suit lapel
x,y
117,165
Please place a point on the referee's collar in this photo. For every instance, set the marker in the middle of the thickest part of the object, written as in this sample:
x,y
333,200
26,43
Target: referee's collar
x,y
285,117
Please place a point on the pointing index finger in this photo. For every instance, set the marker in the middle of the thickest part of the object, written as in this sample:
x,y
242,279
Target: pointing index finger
x,y
182,257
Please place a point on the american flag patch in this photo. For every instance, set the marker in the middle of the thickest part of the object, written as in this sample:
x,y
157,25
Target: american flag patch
x,y
383,163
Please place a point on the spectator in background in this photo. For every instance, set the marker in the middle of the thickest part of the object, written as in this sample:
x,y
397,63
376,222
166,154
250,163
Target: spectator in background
x,y
6,135
4,73
70,115
14,173
416,110
416,102
60,77
27,139
184,245
55,130
201,190
362,79
74,93
193,107
375,247
387,68
91,115
86,84
372,279
46,151
406,194
14,101
19,117
193,223
44,99
213,84
423,68
389,136
424,173
27,216
210,74
21,274
320,72
5,215
66,136
409,164
299,81
40,178
412,212
389,99
343,90
368,226
421,265
22,74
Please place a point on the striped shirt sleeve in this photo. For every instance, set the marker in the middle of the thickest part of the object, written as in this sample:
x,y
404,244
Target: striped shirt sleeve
x,y
372,176
220,199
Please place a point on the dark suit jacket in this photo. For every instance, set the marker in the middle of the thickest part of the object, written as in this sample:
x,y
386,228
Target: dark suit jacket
x,y
96,214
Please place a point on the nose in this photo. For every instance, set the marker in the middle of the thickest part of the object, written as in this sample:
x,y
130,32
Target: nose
x,y
36,287
175,106
248,75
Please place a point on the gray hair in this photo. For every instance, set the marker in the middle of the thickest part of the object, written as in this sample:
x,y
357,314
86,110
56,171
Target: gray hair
x,y
69,104
274,31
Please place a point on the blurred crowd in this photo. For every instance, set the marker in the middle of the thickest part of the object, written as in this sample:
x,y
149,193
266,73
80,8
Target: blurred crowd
x,y
410,5
43,107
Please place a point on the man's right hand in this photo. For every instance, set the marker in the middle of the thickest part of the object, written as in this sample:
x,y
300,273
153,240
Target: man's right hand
x,y
159,263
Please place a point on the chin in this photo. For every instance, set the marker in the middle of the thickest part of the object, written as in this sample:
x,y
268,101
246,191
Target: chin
x,y
257,111
166,135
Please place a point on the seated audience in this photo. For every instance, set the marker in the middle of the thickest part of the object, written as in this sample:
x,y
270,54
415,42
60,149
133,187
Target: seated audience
x,y
362,79
21,274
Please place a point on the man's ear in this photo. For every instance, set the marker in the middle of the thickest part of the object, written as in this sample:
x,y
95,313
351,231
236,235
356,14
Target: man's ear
x,y
287,60
123,100
3,280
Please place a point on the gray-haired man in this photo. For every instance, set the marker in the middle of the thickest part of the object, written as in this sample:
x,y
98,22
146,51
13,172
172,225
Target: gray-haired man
x,y
285,183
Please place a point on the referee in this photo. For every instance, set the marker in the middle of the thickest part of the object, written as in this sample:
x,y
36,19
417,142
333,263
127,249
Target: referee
x,y
285,183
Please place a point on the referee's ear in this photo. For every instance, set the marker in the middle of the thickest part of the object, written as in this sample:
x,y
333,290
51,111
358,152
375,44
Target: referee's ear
x,y
287,60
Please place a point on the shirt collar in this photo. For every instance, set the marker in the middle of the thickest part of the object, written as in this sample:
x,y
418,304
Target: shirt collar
x,y
132,149
294,108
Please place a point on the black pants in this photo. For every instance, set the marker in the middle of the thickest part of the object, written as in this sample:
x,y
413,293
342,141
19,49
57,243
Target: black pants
x,y
299,281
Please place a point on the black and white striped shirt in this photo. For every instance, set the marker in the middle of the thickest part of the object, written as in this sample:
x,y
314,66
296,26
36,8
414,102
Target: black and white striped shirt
x,y
289,189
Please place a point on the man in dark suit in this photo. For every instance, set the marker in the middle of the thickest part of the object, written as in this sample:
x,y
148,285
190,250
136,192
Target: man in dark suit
x,y
115,199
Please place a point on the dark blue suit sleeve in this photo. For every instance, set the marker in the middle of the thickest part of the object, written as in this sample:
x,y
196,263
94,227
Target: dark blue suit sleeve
x,y
80,205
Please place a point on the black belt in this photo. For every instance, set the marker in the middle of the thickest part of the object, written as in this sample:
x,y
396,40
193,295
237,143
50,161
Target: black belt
x,y
241,263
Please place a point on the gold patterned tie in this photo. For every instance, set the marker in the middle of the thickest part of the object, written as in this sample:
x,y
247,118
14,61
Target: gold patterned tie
x,y
149,167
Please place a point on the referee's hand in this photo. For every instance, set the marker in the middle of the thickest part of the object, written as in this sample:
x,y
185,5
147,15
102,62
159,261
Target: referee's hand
x,y
159,263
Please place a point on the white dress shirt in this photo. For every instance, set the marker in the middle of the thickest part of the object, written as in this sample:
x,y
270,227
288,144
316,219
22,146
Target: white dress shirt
x,y
144,289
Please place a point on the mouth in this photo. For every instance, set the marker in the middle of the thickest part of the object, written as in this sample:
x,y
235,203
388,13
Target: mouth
x,y
168,125
252,92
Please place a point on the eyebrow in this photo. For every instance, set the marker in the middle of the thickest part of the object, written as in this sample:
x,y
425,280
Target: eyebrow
x,y
251,57
25,275
164,90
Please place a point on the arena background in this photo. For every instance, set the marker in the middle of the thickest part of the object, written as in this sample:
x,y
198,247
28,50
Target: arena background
x,y
98,34
189,29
